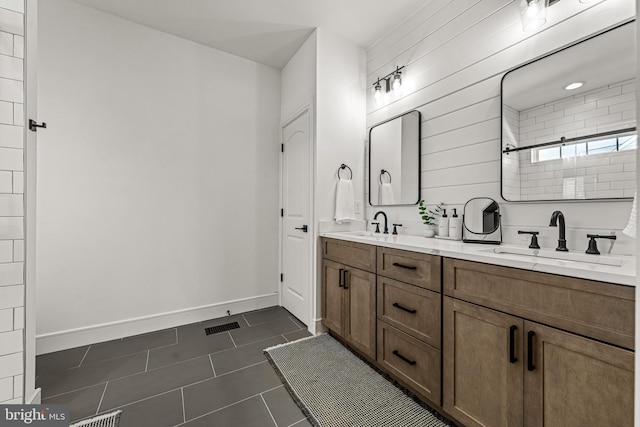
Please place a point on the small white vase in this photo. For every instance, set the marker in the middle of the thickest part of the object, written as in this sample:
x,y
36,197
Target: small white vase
x,y
429,232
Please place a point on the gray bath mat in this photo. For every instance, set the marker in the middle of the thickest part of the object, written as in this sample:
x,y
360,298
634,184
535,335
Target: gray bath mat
x,y
334,388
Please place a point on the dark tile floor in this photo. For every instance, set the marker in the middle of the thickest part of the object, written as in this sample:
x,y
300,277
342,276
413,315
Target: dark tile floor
x,y
180,376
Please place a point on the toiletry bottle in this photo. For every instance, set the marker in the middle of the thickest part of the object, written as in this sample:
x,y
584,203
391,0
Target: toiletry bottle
x,y
443,225
455,226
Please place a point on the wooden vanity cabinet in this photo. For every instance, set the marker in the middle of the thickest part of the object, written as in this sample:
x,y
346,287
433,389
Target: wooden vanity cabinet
x,y
501,368
409,320
349,293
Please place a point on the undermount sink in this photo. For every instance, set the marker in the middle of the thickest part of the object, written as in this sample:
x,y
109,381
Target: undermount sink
x,y
565,256
367,234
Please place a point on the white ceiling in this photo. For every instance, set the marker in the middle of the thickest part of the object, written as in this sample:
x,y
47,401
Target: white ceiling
x,y
265,31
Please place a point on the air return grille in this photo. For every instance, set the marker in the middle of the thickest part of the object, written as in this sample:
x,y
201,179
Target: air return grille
x,y
221,328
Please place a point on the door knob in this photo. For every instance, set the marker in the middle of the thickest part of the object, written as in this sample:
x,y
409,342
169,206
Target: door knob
x,y
303,228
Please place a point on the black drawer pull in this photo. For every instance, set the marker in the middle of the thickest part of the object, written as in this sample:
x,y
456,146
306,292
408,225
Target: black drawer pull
x,y
340,279
530,365
512,344
408,310
397,354
408,267
344,281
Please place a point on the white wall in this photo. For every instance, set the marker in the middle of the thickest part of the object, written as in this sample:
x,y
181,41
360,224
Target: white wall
x,y
455,55
12,287
298,80
340,125
157,178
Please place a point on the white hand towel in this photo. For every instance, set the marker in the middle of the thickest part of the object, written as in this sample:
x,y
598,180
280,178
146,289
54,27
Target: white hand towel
x,y
345,203
630,229
385,194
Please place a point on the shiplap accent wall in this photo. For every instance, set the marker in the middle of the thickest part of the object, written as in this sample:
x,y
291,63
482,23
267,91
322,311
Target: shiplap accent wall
x,y
455,53
11,201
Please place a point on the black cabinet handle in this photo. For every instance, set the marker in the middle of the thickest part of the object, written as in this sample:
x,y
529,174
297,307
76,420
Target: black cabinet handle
x,y
304,228
530,365
340,278
344,280
408,310
408,267
512,344
397,354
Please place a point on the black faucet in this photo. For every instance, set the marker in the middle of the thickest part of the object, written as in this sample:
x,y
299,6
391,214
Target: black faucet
x,y
562,242
386,229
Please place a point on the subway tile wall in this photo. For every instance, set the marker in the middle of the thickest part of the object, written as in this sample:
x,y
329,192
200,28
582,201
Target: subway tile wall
x,y
600,110
11,201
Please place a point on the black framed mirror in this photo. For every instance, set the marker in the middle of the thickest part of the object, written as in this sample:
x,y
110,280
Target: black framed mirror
x,y
394,161
569,122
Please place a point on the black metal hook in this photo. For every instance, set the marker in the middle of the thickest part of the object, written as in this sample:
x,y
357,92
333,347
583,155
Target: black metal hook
x,y
342,167
33,125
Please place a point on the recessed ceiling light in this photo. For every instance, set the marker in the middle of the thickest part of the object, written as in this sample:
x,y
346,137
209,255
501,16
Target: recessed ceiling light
x,y
574,85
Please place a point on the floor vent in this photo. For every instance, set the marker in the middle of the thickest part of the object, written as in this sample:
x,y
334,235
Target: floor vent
x,y
221,328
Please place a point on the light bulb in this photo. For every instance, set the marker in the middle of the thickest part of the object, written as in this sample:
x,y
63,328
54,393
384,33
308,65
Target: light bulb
x,y
533,14
397,83
377,94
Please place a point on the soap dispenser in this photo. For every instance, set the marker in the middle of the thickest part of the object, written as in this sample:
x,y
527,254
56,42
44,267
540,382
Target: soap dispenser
x,y
455,226
443,225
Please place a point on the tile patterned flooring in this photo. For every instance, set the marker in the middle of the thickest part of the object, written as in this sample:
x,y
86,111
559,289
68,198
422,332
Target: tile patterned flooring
x,y
180,376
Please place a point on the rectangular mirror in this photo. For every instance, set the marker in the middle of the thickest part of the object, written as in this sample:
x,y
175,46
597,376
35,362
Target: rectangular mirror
x,y
569,122
394,161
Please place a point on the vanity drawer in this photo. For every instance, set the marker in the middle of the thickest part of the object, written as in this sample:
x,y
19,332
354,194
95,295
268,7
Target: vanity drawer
x,y
357,255
413,310
411,267
411,361
598,310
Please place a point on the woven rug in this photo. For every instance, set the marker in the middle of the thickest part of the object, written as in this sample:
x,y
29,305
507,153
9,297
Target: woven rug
x,y
334,388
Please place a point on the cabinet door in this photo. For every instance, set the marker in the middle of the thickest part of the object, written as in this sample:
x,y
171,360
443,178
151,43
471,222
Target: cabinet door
x,y
482,383
332,296
572,381
360,311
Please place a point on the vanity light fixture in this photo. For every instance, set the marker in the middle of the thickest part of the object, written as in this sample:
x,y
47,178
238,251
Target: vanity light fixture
x,y
533,14
396,86
574,85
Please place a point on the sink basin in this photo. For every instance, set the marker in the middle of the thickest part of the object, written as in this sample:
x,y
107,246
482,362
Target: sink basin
x,y
565,256
366,234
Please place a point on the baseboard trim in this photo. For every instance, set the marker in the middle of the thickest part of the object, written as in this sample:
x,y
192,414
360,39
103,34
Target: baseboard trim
x,y
319,327
63,340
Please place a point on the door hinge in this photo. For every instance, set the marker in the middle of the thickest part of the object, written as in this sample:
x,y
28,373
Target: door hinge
x,y
281,277
281,213
282,148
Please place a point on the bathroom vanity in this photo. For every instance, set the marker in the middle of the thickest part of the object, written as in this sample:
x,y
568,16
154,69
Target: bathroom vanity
x,y
489,339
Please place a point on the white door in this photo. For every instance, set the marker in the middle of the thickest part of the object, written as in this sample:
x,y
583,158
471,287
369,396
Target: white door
x,y
296,226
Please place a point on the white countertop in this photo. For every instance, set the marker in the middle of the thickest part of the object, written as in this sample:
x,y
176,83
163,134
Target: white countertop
x,y
625,274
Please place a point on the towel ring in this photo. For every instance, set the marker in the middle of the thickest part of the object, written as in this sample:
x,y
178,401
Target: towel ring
x,y
343,167
383,172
